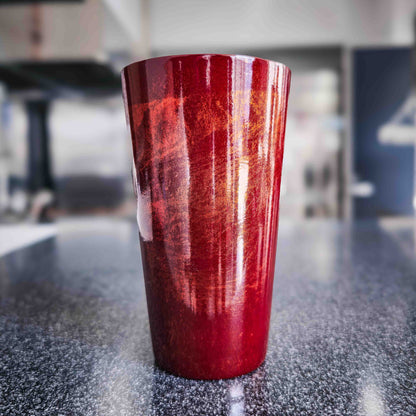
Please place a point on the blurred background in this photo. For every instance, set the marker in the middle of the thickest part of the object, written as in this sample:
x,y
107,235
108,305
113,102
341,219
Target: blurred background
x,y
64,147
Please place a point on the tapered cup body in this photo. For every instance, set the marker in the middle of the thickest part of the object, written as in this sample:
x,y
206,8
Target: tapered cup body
x,y
207,134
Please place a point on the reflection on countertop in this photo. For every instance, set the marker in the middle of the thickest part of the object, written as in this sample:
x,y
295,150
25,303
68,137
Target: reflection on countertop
x,y
74,335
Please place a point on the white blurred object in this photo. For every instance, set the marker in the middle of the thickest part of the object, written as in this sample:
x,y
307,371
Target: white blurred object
x,y
41,200
400,130
14,237
312,146
89,139
315,92
363,189
19,202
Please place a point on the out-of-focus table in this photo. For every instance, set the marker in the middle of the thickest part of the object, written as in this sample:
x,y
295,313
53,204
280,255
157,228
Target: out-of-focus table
x,y
74,336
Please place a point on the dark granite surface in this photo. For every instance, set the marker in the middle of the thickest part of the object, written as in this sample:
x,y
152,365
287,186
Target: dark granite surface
x,y
74,337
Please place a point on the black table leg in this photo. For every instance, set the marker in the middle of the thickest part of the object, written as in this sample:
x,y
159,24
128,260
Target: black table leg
x,y
39,169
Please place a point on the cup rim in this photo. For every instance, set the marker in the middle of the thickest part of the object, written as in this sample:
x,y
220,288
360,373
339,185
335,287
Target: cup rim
x,y
237,56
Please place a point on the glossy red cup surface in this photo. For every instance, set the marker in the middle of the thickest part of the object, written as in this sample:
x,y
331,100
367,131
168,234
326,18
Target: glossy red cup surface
x,y
207,134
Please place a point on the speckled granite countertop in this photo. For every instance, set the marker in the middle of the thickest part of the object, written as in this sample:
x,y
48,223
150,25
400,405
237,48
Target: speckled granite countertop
x,y
74,337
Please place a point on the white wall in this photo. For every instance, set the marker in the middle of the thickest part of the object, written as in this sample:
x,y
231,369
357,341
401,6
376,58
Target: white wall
x,y
402,20
192,24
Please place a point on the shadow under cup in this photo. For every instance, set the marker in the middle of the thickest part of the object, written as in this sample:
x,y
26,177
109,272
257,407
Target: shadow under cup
x,y
207,134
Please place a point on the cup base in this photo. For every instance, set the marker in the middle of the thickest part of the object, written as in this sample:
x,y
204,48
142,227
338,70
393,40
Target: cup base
x,y
222,374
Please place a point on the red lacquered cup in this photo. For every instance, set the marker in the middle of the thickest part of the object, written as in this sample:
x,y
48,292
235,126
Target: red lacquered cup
x,y
207,133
